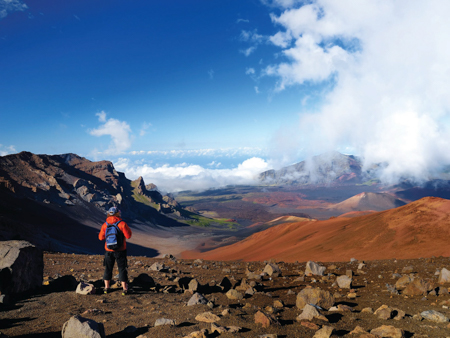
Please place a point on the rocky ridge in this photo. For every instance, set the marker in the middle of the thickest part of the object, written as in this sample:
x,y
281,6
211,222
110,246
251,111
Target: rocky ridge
x,y
45,197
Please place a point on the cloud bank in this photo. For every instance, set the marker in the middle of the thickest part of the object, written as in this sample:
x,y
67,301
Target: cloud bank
x,y
193,177
388,64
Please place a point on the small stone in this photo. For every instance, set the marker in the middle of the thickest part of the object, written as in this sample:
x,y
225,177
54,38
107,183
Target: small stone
x,y
313,268
197,298
444,276
384,312
344,282
164,321
408,269
434,316
264,319
324,332
207,317
388,331
198,334
85,289
367,310
234,295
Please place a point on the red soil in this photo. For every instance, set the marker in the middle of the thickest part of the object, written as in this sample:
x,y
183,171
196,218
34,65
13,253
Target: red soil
x,y
418,229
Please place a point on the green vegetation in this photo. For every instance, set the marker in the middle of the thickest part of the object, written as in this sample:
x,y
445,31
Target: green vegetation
x,y
144,200
204,222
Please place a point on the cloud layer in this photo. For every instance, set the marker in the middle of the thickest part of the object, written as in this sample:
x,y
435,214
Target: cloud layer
x,y
193,177
389,66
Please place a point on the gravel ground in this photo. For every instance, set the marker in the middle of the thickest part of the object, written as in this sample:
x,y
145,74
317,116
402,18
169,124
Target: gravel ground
x,y
43,313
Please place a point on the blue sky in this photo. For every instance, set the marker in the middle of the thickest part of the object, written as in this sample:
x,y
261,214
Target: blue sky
x,y
198,94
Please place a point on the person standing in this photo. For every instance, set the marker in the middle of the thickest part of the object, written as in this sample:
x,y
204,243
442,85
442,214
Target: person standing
x,y
115,230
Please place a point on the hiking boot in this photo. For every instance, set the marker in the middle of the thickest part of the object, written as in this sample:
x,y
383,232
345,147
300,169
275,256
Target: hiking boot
x,y
126,292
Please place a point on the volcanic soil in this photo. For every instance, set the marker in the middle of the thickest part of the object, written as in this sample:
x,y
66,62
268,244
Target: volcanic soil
x,y
43,313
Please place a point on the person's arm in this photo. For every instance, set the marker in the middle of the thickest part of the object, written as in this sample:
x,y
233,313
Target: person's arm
x,y
101,235
126,230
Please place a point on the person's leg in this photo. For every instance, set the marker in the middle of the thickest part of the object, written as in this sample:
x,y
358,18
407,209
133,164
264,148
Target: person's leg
x,y
122,264
109,265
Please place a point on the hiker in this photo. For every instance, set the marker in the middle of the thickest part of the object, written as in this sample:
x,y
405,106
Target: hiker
x,y
115,232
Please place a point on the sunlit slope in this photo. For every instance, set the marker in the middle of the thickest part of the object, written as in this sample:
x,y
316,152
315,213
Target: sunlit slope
x,y
418,229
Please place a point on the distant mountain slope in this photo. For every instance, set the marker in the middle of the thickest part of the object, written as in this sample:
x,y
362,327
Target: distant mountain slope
x,y
54,200
330,168
418,229
368,201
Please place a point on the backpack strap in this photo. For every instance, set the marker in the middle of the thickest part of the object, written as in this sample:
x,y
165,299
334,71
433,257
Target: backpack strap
x,y
115,225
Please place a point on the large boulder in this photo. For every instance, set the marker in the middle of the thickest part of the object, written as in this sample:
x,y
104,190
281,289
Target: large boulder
x,y
315,296
78,326
21,267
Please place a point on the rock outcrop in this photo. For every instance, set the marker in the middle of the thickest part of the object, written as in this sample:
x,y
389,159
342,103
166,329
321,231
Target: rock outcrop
x,y
21,267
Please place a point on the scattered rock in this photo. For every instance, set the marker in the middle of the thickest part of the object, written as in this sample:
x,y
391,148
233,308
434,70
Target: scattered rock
x,y
444,276
194,285
434,316
78,326
198,334
417,287
344,282
388,331
272,269
403,282
224,329
265,319
197,298
207,317
85,289
310,312
164,321
408,269
235,295
157,267
324,332
367,310
384,312
314,296
313,268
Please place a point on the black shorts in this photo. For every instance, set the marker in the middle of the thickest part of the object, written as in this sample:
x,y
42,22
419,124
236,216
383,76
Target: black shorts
x,y
110,258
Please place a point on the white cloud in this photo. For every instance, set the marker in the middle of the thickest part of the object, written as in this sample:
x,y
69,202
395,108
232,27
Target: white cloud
x,y
8,6
252,37
193,177
242,20
211,73
118,130
101,116
389,65
248,51
256,90
250,71
144,128
6,150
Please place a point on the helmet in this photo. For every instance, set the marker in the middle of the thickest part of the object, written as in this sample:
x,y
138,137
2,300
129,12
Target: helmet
x,y
113,211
